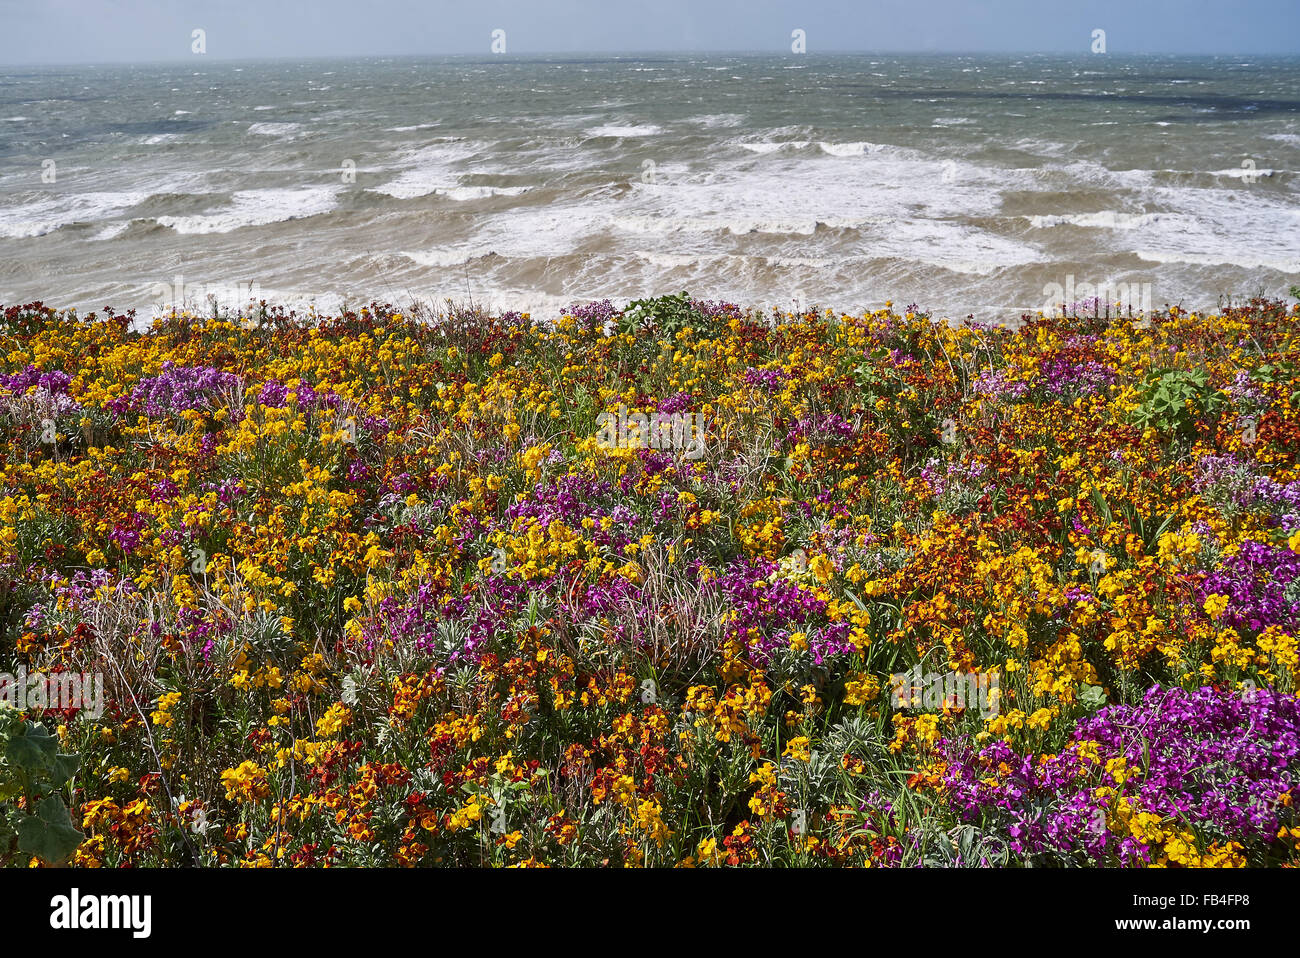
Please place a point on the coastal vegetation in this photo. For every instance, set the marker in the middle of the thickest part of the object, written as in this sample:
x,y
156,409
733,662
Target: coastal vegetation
x,y
371,588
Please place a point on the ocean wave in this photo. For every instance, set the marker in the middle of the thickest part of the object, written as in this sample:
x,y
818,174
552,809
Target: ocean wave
x,y
713,121
462,193
50,213
257,208
275,129
770,147
1235,258
613,130
442,258
742,260
1243,172
850,149
112,230
659,224
1105,219
429,169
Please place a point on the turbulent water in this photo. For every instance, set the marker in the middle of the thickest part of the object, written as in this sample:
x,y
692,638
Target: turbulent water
x,y
963,184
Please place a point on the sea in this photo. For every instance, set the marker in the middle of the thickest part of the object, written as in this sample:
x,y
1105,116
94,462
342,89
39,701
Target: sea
x,y
982,186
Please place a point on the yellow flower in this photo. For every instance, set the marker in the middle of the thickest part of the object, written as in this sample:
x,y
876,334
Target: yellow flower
x,y
822,567
708,852
245,783
162,716
861,688
332,722
798,748
1214,605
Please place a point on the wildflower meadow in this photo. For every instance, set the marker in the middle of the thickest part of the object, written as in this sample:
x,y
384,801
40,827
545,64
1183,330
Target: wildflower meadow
x,y
682,584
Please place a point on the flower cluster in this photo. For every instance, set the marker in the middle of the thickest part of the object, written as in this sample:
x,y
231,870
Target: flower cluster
x,y
1181,778
373,588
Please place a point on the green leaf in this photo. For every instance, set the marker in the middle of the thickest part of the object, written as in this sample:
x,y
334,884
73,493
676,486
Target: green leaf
x,y
52,811
1093,696
349,695
63,768
49,834
34,750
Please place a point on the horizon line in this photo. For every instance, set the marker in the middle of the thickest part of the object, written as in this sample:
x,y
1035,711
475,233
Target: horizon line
x,y
641,54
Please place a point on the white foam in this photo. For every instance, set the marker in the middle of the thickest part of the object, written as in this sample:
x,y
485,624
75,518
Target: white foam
x,y
646,129
275,129
658,224
462,193
112,230
1242,259
951,246
794,193
1095,174
738,226
714,121
47,214
1234,225
430,169
1105,219
447,256
769,147
850,149
1241,173
672,260
532,231
257,208
742,261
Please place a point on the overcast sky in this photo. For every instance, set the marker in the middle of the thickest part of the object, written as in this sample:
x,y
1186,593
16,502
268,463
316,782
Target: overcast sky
x,y
80,31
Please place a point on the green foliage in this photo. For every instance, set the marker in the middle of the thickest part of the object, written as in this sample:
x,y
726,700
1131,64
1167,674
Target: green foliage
x,y
869,372
1175,399
665,315
1092,696
1285,373
33,768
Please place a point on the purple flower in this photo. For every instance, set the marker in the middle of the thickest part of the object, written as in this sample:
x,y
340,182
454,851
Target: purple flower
x,y
1262,583
767,378
594,315
1065,378
175,389
274,394
55,382
1210,762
